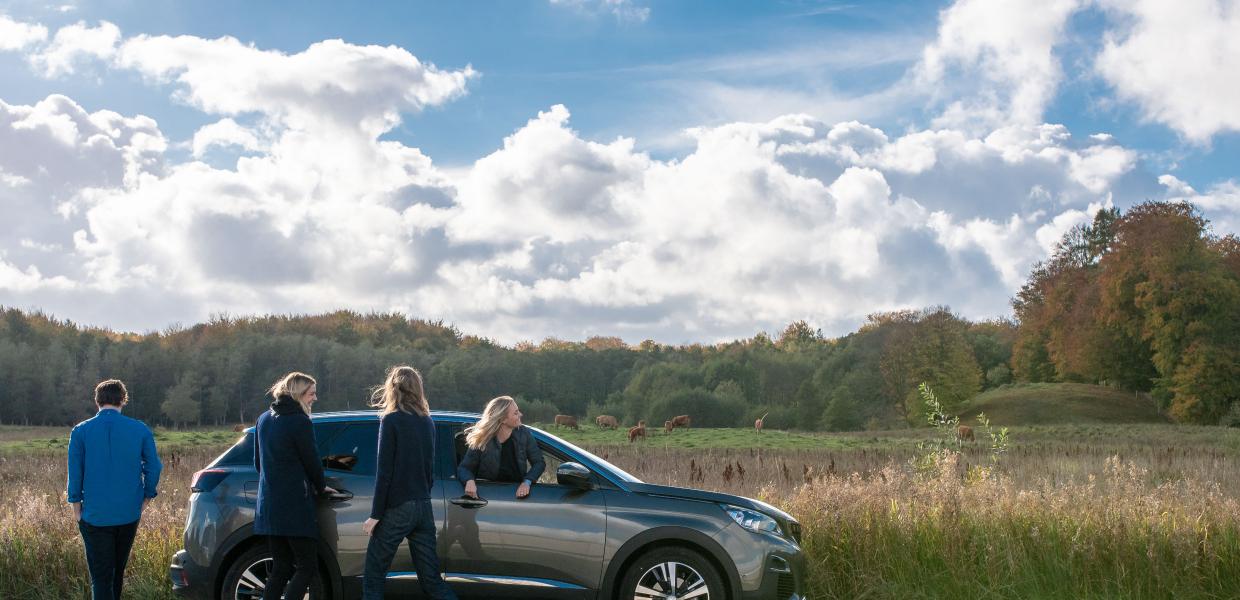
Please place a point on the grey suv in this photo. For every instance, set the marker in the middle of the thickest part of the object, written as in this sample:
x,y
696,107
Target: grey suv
x,y
587,530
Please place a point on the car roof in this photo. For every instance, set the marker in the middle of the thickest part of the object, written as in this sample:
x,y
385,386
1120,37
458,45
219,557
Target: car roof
x,y
366,415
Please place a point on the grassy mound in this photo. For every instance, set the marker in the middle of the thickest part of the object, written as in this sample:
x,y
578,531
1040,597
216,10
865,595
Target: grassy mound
x,y
1062,403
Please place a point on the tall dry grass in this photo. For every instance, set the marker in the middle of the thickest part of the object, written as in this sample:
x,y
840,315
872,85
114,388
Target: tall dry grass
x,y
1026,465
1060,523
893,534
41,553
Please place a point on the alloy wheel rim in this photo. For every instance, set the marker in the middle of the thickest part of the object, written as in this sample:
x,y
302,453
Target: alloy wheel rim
x,y
671,580
253,581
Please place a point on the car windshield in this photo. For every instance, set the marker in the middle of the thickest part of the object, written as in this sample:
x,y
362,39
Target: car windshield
x,y
613,469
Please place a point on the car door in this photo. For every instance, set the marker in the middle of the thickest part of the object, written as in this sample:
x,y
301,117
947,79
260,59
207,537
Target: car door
x,y
349,461
349,466
548,545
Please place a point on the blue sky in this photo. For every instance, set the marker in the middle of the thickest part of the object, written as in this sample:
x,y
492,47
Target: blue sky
x,y
679,170
619,76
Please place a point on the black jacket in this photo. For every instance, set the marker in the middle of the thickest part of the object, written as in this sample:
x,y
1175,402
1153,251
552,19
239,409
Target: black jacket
x,y
290,476
485,463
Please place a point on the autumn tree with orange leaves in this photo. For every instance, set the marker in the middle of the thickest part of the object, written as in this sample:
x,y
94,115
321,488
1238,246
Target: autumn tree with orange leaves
x,y
1146,301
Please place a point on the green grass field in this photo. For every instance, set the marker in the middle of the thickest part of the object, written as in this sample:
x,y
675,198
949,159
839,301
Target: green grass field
x,y
16,438
589,436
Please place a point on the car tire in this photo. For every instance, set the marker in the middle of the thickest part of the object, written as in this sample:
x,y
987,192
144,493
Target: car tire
x,y
247,571
651,576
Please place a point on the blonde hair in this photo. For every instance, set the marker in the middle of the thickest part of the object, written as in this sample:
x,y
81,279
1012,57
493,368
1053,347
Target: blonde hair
x,y
480,433
294,384
401,391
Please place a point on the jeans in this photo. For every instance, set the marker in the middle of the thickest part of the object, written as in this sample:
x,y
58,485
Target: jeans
x,y
414,520
107,551
296,564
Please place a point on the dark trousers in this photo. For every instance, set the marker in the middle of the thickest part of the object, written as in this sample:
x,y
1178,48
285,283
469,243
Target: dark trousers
x,y
415,521
296,564
107,551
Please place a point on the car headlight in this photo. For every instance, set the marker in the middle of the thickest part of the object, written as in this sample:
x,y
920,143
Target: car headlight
x,y
752,519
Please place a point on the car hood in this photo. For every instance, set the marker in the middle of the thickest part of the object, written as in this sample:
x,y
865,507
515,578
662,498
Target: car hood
x,y
705,496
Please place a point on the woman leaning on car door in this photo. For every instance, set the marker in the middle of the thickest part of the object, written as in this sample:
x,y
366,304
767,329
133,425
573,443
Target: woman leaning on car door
x,y
290,478
501,449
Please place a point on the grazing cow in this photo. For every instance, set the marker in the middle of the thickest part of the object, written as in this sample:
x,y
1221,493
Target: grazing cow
x,y
606,421
667,427
758,423
964,433
637,431
680,421
566,421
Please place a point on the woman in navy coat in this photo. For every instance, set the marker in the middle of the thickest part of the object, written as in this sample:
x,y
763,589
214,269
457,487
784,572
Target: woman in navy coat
x,y
290,478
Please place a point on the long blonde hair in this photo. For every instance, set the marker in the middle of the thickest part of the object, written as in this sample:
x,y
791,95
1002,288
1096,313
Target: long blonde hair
x,y
401,391
478,435
294,384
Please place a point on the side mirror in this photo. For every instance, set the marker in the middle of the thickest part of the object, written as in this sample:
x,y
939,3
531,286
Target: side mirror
x,y
574,475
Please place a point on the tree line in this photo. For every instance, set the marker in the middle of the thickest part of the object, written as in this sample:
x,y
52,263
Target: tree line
x,y
215,373
1146,301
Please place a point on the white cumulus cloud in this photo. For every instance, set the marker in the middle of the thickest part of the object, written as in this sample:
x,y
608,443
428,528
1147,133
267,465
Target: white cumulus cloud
x,y
15,35
331,84
225,132
1178,61
74,44
994,60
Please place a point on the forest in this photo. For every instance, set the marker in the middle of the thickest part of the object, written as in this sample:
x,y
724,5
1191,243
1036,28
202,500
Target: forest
x,y
1146,301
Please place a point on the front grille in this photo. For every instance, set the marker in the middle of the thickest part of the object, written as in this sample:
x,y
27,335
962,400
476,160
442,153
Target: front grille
x,y
786,587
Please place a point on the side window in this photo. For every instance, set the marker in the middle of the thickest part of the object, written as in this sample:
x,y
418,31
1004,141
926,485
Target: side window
x,y
449,448
354,449
324,433
242,453
452,445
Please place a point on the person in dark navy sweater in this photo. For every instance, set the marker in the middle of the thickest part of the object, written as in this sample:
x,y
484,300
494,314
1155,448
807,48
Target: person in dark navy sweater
x,y
290,478
401,508
113,473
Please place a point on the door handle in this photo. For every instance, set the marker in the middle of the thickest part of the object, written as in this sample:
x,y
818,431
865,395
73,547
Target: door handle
x,y
340,496
467,502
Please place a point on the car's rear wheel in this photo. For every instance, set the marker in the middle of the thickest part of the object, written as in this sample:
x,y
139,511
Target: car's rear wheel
x,y
672,572
247,577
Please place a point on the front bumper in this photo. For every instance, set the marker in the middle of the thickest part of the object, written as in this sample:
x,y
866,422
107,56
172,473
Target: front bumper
x,y
784,578
769,566
781,579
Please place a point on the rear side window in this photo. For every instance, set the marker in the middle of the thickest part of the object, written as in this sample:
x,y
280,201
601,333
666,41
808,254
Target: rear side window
x,y
324,433
242,453
354,449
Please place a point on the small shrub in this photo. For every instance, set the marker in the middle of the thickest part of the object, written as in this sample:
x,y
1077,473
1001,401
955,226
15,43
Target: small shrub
x,y
1232,417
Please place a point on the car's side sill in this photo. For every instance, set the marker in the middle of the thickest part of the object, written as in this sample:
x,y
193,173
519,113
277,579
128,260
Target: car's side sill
x,y
489,579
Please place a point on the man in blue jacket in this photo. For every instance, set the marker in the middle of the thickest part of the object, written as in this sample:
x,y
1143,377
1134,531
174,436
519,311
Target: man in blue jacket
x,y
113,472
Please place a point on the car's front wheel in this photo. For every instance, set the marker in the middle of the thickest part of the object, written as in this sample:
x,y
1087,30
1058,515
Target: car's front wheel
x,y
672,572
246,579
